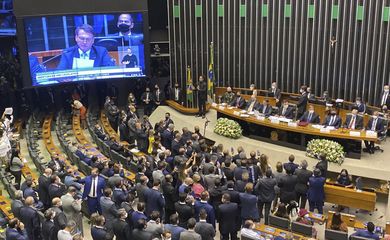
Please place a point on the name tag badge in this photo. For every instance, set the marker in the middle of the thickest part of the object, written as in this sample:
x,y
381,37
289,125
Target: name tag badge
x,y
275,121
292,124
354,133
236,113
371,134
325,130
221,108
261,118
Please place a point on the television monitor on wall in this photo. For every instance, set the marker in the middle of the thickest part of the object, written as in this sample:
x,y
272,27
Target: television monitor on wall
x,y
71,48
7,18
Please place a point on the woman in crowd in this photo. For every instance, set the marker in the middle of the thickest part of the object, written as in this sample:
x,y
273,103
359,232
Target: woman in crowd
x,y
281,211
15,167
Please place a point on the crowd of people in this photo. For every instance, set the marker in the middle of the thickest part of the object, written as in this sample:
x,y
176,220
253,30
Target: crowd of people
x,y
183,188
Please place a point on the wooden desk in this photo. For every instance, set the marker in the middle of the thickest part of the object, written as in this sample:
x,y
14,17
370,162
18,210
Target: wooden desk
x,y
5,207
79,133
318,218
349,219
185,110
350,197
52,148
294,137
275,231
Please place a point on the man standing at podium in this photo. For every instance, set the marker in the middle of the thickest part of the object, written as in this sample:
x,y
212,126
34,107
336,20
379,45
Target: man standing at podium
x,y
84,54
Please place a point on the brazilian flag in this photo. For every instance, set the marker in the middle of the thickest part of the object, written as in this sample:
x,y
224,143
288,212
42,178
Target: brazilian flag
x,y
189,88
210,79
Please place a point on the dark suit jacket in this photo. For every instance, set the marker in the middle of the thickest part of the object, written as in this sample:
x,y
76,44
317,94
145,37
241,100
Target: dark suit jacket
x,y
249,206
16,206
256,105
209,209
234,195
175,147
315,118
180,97
241,102
268,110
361,108
14,234
289,112
387,99
100,234
380,127
303,176
265,189
98,54
358,122
185,212
336,123
323,166
277,94
290,165
48,230
160,96
142,235
121,230
170,195
133,39
32,224
287,188
119,196
142,140
154,201
316,189
43,190
229,216
166,138
302,103
56,191
205,230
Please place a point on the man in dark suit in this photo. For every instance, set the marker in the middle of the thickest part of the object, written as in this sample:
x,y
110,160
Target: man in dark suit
x,y
286,110
234,195
59,219
252,104
158,96
229,216
287,187
139,232
290,164
374,124
238,101
109,210
48,225
190,234
43,187
248,203
184,210
138,214
360,105
56,188
17,204
353,121
167,136
202,96
147,99
85,52
203,203
315,192
310,116
121,228
265,189
332,120
176,94
303,176
57,165
119,194
154,199
93,190
310,95
173,227
265,108
141,138
323,165
302,102
15,230
176,144
125,25
204,229
170,196
385,97
275,92
30,218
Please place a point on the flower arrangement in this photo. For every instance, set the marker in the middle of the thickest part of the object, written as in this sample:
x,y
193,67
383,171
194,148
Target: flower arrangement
x,y
228,128
333,150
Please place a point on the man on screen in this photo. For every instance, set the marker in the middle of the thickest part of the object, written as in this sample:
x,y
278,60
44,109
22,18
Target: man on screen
x,y
125,25
130,60
85,54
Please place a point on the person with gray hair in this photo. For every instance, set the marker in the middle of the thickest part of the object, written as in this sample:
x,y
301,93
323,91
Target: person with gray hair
x,y
301,187
17,203
72,207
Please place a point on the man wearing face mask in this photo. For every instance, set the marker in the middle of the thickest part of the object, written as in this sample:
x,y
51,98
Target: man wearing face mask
x,y
385,97
238,101
353,121
228,96
310,95
332,120
158,96
374,124
360,106
302,102
286,110
310,116
252,104
125,25
274,92
265,108
202,96
147,98
176,93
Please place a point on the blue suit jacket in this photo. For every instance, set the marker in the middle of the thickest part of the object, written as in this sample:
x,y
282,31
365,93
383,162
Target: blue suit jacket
x,y
98,54
175,230
209,209
363,233
249,206
134,38
336,123
119,196
87,181
137,216
154,201
13,234
99,233
316,189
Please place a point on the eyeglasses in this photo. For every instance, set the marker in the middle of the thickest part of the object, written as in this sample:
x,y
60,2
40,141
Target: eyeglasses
x,y
85,39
